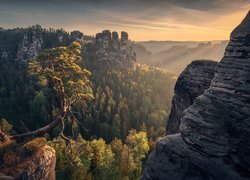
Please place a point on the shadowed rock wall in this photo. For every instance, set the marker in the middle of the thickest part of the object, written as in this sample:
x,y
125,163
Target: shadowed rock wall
x,y
192,82
214,141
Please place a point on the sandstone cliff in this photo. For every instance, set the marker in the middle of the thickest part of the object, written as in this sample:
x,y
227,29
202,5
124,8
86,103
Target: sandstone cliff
x,y
106,49
215,130
112,51
35,40
29,48
192,82
31,160
24,44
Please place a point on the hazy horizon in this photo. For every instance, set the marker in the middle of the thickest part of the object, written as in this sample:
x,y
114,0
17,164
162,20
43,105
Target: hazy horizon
x,y
178,20
130,34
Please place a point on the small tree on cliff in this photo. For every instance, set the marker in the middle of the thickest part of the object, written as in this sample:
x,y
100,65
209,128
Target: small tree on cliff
x,y
61,66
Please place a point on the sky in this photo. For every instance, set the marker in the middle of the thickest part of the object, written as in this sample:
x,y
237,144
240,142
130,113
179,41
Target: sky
x,y
181,20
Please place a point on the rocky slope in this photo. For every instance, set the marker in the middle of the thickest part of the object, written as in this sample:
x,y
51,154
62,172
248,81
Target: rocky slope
x,y
192,82
215,130
30,160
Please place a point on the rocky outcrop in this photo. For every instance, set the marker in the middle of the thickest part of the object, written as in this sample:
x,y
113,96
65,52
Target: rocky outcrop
x,y
29,48
192,82
112,51
214,140
77,35
106,49
24,44
31,160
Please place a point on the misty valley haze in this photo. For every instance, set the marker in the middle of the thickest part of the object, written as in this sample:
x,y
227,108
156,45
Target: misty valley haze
x,y
176,55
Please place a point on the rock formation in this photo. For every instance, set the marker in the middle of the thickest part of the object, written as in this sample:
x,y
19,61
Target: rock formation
x,y
112,51
192,82
31,41
29,48
77,35
24,44
31,160
214,140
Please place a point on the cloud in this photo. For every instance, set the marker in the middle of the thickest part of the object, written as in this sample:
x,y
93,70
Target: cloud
x,y
141,16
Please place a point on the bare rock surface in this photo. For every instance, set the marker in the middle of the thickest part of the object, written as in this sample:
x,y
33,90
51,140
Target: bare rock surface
x,y
192,82
112,51
31,160
213,142
29,48
24,44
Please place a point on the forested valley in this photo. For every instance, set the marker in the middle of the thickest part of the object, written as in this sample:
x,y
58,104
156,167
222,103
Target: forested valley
x,y
111,137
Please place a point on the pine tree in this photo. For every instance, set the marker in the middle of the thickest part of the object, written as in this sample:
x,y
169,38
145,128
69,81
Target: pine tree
x,y
61,65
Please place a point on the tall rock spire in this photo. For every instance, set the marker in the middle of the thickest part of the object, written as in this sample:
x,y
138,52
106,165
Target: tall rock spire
x,y
112,52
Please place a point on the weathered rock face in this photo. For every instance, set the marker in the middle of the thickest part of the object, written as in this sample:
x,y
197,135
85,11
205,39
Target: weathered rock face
x,y
29,48
24,44
112,51
214,140
192,82
77,35
32,160
220,119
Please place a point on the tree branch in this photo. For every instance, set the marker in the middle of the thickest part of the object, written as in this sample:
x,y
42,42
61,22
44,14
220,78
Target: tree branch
x,y
62,134
41,131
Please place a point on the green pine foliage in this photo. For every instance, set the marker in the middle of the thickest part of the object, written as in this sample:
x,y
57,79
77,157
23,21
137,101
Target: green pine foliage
x,y
119,126
126,99
95,159
123,99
